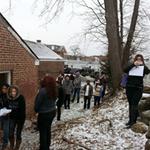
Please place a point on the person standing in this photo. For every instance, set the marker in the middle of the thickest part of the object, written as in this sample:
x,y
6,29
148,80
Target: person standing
x,y
16,117
60,100
68,87
60,77
45,106
4,103
134,87
88,92
103,80
98,93
77,87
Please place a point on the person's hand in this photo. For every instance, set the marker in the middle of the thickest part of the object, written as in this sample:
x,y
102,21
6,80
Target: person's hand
x,y
137,63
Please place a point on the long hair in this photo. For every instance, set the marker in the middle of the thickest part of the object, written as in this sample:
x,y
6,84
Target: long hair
x,y
139,55
49,83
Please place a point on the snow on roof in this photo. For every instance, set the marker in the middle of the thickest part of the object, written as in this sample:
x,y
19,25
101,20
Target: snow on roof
x,y
43,52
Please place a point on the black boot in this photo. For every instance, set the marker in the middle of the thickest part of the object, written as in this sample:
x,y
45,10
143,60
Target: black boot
x,y
133,116
129,122
12,141
18,143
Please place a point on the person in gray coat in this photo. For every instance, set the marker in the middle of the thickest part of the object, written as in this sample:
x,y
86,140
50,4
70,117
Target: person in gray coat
x,y
77,87
68,87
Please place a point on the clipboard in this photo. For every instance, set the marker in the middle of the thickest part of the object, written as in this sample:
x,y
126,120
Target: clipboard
x,y
137,71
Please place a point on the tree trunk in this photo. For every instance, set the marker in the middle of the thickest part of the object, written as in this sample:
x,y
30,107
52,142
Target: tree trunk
x,y
112,31
121,26
126,50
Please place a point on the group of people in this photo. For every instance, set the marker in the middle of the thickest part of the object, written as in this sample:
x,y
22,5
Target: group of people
x,y
12,117
71,84
54,93
58,92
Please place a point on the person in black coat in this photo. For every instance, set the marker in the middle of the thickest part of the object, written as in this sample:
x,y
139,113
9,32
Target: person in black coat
x,y
4,102
16,117
88,92
60,100
134,87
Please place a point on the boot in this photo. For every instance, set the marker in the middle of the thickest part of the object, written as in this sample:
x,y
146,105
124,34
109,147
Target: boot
x,y
132,116
18,143
129,122
5,147
12,141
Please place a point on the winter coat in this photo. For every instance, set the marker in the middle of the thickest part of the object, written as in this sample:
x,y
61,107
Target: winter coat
x,y
98,90
90,90
77,82
135,81
68,87
17,105
43,103
4,103
61,96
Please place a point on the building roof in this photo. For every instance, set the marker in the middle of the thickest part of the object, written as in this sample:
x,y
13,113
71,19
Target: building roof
x,y
43,52
57,48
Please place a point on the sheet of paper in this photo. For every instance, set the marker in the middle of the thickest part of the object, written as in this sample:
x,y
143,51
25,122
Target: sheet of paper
x,y
137,71
4,111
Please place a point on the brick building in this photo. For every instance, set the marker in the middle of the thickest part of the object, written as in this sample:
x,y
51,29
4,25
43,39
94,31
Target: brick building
x,y
21,66
50,62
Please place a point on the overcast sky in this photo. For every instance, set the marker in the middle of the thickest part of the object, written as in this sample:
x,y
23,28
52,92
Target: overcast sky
x,y
62,31
65,30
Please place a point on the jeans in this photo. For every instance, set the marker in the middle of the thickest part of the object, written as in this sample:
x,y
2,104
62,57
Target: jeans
x,y
87,102
44,126
103,92
5,127
76,92
16,125
67,101
96,100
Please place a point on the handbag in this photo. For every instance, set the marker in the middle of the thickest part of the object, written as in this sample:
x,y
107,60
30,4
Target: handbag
x,y
124,80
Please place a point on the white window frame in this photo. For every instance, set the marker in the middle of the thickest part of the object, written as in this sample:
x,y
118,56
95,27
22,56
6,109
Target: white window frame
x,y
9,76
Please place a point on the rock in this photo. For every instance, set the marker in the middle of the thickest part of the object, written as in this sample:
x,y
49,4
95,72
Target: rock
x,y
148,133
139,127
147,89
28,124
144,104
145,116
144,110
147,145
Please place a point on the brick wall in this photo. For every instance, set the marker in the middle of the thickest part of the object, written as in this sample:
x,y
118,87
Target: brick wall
x,y
52,68
15,58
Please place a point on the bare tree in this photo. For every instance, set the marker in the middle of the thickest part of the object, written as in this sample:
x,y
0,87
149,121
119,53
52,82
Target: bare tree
x,y
102,14
126,50
114,46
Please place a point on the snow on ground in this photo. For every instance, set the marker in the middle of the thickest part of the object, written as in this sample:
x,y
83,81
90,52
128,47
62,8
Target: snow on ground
x,y
93,130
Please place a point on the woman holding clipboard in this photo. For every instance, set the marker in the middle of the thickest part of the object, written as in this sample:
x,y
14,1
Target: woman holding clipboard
x,y
134,86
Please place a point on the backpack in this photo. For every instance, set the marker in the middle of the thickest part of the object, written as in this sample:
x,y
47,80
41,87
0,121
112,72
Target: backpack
x,y
124,80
